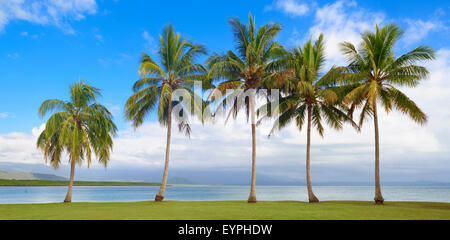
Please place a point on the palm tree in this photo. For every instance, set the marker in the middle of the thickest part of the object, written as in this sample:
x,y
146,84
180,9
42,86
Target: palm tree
x,y
81,127
308,93
176,71
375,74
247,71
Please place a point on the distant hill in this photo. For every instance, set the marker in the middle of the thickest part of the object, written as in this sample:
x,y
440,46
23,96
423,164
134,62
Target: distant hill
x,y
189,176
29,176
17,175
43,176
4,182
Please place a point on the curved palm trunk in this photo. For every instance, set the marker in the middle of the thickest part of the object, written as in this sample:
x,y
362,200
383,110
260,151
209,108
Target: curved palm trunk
x,y
378,197
68,198
160,195
252,197
312,198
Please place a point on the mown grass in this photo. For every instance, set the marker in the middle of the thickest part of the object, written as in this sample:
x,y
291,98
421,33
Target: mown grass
x,y
227,210
7,182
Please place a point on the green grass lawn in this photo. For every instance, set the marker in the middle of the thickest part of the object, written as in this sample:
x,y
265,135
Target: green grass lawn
x,y
7,182
228,210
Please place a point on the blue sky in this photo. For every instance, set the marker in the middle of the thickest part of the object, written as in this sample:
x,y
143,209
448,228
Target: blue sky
x,y
47,45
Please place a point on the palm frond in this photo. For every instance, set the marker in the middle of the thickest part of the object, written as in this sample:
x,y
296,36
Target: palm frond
x,y
407,106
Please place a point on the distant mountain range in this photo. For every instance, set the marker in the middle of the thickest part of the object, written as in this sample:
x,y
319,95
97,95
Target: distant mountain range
x,y
29,176
9,170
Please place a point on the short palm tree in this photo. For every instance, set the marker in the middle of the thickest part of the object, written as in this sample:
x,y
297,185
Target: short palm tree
x,y
375,73
309,94
246,71
176,71
81,127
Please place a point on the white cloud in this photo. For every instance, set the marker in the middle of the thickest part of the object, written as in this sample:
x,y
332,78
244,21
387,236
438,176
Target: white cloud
x,y
344,20
98,37
36,131
18,147
4,114
147,37
13,55
50,12
150,43
417,30
116,60
432,93
27,34
291,7
341,21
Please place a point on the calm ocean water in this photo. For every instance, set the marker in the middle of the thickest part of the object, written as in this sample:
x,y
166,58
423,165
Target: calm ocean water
x,y
210,192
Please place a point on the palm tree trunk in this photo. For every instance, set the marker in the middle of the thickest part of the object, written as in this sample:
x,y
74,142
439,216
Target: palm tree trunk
x,y
378,197
68,198
252,197
312,198
160,195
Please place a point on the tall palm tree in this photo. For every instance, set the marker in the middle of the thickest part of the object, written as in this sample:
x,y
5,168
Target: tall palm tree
x,y
176,71
81,127
375,73
246,71
309,93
